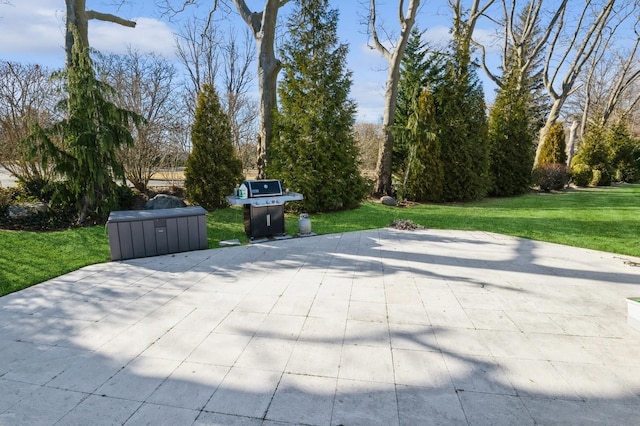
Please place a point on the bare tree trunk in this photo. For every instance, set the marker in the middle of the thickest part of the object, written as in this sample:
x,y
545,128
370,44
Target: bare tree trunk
x,y
384,165
263,26
571,145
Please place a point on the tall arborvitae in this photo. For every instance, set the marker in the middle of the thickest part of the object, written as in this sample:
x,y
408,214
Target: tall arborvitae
x,y
553,150
83,146
511,140
462,123
425,172
518,112
212,168
313,151
419,69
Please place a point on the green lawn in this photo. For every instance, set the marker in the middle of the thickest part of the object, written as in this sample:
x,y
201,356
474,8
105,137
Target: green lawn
x,y
605,219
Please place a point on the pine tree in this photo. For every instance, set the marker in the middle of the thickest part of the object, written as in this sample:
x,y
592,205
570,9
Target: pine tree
x,y
84,145
212,169
314,151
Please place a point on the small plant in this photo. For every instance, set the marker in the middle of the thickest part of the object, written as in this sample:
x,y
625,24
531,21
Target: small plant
x,y
551,177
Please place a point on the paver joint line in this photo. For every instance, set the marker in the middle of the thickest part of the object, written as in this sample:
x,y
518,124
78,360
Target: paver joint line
x,y
381,326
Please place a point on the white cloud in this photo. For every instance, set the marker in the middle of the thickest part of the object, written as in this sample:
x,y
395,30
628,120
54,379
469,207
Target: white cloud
x,y
369,95
437,36
36,34
149,35
31,30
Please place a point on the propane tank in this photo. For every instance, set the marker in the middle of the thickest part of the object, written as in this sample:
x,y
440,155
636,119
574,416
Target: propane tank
x,y
304,224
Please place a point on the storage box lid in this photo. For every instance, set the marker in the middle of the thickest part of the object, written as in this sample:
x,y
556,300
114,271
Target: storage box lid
x,y
133,215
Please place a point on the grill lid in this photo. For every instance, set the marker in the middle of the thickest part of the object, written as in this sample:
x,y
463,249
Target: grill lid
x,y
263,188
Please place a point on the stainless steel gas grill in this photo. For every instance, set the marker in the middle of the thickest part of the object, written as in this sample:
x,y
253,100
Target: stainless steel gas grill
x,y
263,202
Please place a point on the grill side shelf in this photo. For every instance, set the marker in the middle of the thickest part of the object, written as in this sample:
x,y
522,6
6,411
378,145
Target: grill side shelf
x,y
265,201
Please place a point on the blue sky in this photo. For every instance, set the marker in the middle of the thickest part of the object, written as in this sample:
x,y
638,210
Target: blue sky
x,y
33,31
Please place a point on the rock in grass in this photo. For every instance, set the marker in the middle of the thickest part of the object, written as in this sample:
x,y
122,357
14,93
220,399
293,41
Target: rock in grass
x,y
22,211
164,201
388,201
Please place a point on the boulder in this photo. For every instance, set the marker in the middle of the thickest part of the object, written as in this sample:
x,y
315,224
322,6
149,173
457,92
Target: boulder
x,y
24,210
388,201
164,201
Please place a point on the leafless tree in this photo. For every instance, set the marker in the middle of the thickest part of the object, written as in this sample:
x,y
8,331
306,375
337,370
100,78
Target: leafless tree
x,y
236,80
210,58
406,18
263,27
610,84
369,137
78,17
574,40
147,85
519,28
28,95
197,47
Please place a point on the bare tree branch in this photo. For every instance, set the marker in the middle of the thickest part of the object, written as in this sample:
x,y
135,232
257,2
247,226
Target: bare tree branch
x,y
107,17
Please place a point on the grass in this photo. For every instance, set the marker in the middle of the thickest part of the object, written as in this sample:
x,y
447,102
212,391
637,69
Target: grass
x,y
606,219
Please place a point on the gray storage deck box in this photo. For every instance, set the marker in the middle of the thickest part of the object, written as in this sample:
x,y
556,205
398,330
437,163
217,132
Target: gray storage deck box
x,y
142,233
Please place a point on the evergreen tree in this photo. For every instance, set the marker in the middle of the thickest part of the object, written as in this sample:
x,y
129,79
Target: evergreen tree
x,y
419,69
425,173
624,153
212,169
83,146
519,111
553,150
462,123
512,144
313,151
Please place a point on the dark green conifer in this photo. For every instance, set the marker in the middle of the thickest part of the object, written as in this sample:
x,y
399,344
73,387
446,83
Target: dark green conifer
x,y
419,69
313,151
212,169
425,172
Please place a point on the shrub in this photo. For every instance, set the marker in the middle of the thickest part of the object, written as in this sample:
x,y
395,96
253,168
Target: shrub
x,y
126,197
6,197
553,150
601,177
550,177
581,175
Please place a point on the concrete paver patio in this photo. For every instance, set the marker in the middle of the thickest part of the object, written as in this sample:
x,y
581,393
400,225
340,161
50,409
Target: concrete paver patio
x,y
381,327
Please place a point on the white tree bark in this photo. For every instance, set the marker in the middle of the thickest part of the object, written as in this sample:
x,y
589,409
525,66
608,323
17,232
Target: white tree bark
x,y
571,144
263,27
394,57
